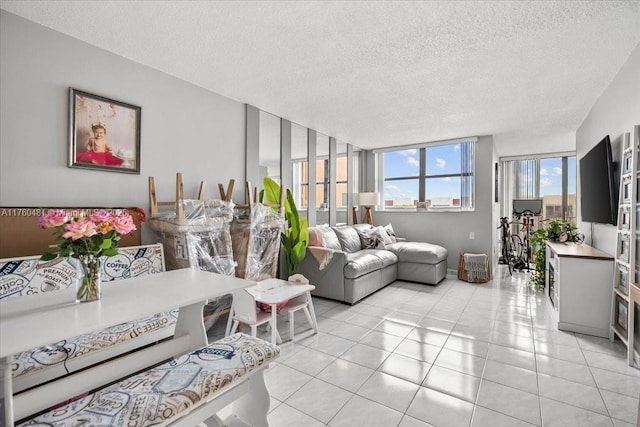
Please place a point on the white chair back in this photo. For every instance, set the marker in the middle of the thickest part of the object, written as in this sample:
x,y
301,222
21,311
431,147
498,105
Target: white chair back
x,y
244,307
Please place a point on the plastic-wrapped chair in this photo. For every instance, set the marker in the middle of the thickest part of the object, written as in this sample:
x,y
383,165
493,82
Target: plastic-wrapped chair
x,y
195,234
256,243
200,239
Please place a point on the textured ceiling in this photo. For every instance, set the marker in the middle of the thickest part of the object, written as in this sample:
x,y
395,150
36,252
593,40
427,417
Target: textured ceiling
x,y
378,73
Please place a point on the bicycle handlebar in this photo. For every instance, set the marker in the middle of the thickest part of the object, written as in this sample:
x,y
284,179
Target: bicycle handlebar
x,y
504,221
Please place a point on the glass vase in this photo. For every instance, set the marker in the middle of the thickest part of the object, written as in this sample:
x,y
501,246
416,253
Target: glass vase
x,y
89,281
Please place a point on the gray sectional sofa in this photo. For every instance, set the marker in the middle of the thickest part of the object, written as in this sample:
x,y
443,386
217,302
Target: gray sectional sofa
x,y
342,270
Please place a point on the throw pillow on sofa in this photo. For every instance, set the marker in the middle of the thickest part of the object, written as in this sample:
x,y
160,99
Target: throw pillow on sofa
x,y
384,235
375,238
392,234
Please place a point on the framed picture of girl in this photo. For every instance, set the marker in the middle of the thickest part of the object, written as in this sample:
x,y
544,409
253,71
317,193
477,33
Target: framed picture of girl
x,y
104,134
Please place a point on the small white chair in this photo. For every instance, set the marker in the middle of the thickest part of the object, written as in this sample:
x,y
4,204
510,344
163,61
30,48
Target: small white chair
x,y
295,304
246,311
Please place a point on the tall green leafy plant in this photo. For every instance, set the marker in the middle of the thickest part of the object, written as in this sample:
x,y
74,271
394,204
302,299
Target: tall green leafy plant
x,y
556,230
295,237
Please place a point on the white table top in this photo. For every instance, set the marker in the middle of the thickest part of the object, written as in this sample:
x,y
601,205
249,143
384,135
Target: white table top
x,y
273,291
50,318
573,250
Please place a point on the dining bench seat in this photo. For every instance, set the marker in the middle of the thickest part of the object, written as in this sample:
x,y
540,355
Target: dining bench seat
x,y
184,391
39,365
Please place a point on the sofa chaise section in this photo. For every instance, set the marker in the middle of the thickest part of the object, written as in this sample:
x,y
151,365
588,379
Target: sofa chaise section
x,y
420,262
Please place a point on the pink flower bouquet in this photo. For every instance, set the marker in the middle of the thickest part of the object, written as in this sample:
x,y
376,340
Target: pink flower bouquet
x,y
87,238
96,234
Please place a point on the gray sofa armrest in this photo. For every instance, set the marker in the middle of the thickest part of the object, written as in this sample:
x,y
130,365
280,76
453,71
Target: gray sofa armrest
x,y
329,281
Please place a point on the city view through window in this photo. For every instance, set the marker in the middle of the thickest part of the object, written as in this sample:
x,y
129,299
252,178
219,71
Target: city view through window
x,y
434,177
543,179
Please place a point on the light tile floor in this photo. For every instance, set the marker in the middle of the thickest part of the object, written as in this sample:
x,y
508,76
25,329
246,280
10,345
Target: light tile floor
x,y
456,354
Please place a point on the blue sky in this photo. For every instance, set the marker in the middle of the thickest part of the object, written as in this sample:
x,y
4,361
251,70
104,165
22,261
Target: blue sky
x,y
551,176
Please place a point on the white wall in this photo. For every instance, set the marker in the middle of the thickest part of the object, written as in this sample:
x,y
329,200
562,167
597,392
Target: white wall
x,y
451,230
617,111
183,128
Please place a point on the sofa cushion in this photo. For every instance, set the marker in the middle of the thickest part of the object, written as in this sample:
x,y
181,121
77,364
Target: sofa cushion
x,y
330,239
361,227
387,257
348,237
418,252
360,263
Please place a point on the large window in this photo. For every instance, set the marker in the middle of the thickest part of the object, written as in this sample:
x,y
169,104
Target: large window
x,y
436,177
552,179
341,182
300,181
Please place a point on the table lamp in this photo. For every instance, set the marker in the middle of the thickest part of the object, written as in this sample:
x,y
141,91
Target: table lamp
x,y
368,200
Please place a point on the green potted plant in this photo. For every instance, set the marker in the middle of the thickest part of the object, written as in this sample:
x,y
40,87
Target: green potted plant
x,y
295,236
557,230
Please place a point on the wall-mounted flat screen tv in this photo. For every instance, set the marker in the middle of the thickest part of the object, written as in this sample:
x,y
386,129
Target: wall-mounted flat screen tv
x,y
598,189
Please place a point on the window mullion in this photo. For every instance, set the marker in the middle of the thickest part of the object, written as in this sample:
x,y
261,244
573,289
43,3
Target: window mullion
x,y
466,174
565,187
423,172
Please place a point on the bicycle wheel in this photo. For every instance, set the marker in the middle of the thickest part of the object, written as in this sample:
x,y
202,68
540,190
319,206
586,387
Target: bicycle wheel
x,y
518,247
504,254
507,253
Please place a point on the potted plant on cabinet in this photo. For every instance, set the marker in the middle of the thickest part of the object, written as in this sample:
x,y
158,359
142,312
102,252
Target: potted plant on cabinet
x,y
556,230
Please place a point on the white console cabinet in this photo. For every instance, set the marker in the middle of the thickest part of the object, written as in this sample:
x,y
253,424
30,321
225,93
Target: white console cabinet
x,y
578,288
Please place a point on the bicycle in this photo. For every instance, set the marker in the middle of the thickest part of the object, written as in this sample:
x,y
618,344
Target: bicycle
x,y
519,248
508,249
526,254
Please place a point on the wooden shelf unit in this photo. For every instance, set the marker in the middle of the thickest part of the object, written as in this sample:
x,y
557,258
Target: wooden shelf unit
x,y
625,299
633,345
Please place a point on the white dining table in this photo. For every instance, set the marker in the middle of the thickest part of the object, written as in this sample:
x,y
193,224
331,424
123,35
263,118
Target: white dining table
x,y
38,320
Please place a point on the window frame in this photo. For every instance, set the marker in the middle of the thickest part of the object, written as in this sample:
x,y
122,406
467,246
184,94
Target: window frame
x,y
507,181
467,178
299,164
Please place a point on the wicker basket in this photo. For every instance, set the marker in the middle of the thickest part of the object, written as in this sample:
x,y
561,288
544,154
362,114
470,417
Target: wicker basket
x,y
463,274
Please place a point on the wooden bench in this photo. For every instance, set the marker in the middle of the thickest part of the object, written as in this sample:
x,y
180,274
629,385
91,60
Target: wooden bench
x,y
27,277
182,392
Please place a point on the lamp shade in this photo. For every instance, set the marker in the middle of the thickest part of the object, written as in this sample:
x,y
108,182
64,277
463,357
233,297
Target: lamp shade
x,y
368,199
